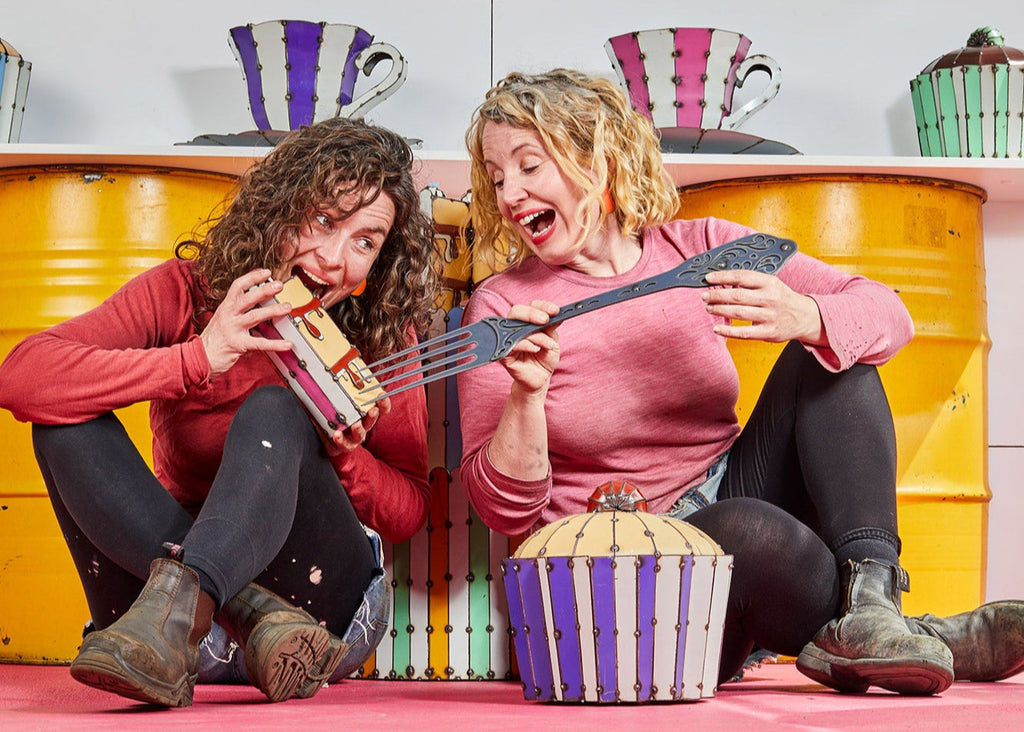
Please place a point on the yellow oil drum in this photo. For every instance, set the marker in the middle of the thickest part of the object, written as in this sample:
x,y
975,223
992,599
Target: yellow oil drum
x,y
923,238
72,235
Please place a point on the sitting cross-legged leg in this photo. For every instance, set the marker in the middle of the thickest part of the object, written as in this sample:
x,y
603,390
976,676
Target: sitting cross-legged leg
x,y
110,505
821,446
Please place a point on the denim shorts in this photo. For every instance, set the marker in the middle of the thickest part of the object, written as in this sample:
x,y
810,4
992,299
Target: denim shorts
x,y
221,660
702,494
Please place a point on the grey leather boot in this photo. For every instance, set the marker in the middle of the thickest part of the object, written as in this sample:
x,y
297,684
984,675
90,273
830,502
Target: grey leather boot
x,y
869,644
151,653
287,653
987,643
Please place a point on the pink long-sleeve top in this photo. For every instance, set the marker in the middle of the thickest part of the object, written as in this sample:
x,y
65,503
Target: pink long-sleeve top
x,y
644,390
141,345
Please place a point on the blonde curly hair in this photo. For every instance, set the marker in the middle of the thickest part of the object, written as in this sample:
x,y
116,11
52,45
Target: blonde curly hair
x,y
307,172
589,129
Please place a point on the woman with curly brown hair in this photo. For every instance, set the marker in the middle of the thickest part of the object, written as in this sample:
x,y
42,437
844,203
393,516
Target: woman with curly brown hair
x,y
251,516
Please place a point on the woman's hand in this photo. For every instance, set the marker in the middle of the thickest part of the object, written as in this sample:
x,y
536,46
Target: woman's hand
x,y
775,312
228,334
532,361
346,440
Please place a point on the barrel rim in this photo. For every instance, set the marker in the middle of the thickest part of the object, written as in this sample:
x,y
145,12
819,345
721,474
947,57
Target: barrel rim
x,y
840,178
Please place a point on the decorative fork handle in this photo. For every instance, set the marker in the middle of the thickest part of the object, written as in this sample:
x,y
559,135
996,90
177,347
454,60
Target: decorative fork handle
x,y
755,253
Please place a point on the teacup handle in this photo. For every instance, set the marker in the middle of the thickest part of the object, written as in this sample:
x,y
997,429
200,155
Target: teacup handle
x,y
757,62
366,62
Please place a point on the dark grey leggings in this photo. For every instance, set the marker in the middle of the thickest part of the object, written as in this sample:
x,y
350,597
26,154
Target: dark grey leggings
x,y
811,480
276,513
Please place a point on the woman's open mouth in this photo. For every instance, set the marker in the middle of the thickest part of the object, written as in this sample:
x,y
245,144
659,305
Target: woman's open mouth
x,y
314,284
538,223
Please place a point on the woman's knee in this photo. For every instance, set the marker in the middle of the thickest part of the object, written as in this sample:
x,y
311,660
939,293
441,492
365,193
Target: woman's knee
x,y
65,439
273,403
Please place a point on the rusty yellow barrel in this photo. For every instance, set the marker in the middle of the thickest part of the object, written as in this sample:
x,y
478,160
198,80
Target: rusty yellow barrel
x,y
72,235
923,238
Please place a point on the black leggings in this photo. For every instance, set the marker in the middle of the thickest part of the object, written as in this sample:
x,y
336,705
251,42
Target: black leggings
x,y
811,479
276,513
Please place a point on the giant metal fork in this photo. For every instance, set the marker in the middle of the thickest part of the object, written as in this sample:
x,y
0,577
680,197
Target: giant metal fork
x,y
493,338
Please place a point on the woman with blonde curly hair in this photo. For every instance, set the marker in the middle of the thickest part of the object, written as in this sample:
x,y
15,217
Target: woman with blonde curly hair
x,y
569,180
251,515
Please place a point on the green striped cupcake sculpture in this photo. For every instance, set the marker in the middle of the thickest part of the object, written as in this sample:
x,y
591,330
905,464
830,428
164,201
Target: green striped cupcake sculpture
x,y
970,102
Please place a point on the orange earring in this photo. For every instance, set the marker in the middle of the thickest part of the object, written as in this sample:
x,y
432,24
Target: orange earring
x,y
360,289
607,202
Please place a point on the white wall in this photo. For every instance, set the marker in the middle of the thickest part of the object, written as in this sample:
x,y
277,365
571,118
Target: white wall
x,y
137,72
130,72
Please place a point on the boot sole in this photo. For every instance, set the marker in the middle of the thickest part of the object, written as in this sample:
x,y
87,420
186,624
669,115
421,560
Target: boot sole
x,y
911,676
108,671
297,657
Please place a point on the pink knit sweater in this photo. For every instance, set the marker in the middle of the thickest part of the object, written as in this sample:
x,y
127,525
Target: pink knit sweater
x,y
644,390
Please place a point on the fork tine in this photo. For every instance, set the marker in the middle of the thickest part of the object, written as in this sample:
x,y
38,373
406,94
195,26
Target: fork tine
x,y
439,365
461,346
456,335
423,381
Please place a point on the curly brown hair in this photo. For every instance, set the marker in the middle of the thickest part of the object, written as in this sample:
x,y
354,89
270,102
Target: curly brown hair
x,y
307,172
588,127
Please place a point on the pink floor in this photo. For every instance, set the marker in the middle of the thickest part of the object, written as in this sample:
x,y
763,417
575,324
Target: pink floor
x,y
773,696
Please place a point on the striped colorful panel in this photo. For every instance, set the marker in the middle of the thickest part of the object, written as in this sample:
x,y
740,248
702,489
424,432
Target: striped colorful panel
x,y
625,625
498,629
564,632
682,652
1015,105
459,588
517,623
401,629
960,105
439,579
538,654
453,431
946,104
697,619
691,46
437,418
716,622
270,57
584,600
726,51
419,611
479,597
923,98
337,76
978,142
625,54
302,49
1000,74
244,47
604,628
646,592
667,633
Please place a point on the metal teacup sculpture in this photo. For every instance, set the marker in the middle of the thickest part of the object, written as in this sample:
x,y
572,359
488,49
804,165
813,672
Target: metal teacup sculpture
x,y
618,605
299,72
686,77
14,76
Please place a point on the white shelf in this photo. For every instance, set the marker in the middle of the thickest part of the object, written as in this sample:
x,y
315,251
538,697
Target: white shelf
x,y
1002,179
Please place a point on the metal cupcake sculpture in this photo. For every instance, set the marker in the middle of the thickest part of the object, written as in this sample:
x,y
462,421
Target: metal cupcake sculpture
x,y
618,605
970,102
299,72
14,75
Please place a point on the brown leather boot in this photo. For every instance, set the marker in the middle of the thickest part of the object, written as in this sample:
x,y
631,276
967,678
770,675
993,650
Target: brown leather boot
x,y
151,653
287,653
987,643
870,644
